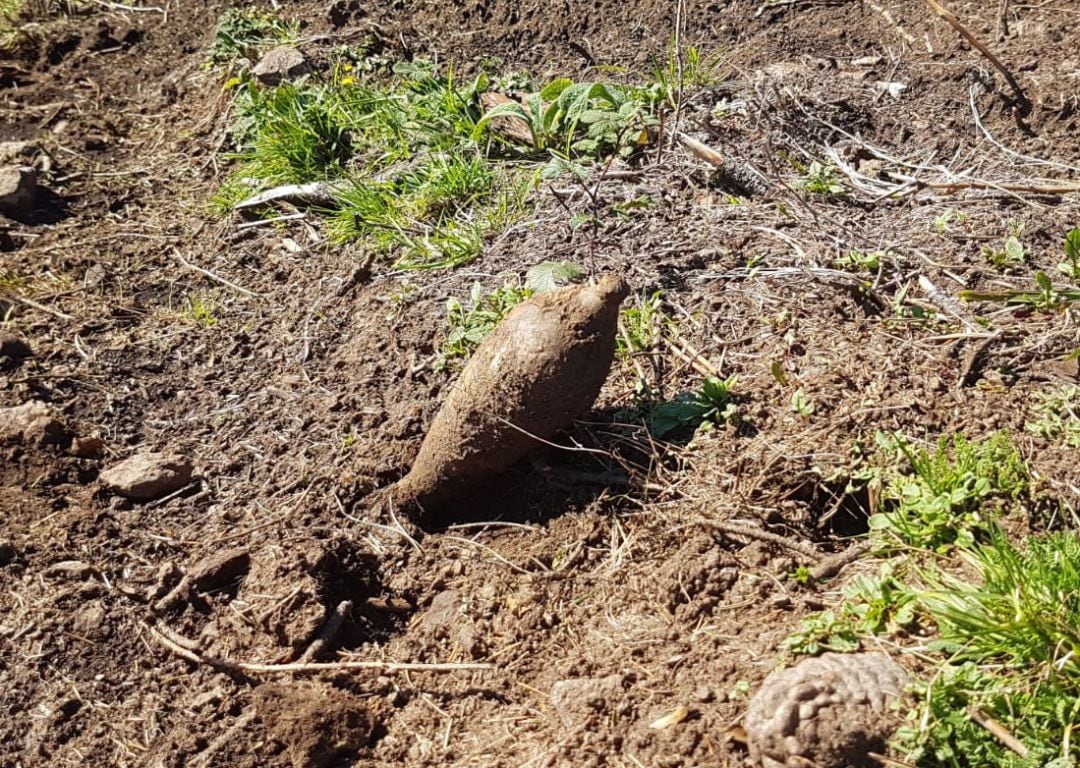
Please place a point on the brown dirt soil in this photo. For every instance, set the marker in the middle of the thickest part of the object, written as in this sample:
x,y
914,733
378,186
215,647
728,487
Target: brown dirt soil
x,y
595,587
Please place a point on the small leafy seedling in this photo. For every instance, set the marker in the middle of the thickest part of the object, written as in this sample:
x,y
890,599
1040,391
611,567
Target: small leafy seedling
x,y
801,404
245,32
642,325
1057,415
1010,254
710,406
551,275
821,180
858,261
199,308
470,324
1070,267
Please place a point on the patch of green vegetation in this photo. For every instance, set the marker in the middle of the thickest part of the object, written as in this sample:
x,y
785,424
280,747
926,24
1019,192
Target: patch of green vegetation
x,y
199,308
1011,253
822,180
940,504
802,404
469,324
823,631
711,405
1048,297
641,326
408,178
1012,635
12,281
858,261
236,189
243,33
416,169
998,623
294,134
872,605
1057,415
574,119
944,221
10,13
23,22
1070,267
691,71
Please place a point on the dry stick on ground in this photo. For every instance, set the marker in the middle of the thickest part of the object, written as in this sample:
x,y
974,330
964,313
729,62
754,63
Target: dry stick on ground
x,y
11,297
682,350
950,19
328,632
1000,732
833,564
680,11
730,171
972,357
945,303
952,187
312,193
736,529
908,37
187,649
215,277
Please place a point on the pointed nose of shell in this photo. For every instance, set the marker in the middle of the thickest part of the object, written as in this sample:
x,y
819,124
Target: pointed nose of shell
x,y
609,289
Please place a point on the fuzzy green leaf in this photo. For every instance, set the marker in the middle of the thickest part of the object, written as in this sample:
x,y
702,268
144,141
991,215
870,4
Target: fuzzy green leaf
x,y
1072,245
549,275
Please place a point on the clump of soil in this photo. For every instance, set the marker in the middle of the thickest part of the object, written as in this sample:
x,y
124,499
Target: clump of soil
x,y
314,723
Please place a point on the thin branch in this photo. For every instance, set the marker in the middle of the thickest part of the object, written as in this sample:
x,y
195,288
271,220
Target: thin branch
x,y
999,731
187,649
952,21
215,277
35,305
736,529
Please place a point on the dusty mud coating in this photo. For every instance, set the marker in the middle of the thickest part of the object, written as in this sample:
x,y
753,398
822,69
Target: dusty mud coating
x,y
602,607
542,367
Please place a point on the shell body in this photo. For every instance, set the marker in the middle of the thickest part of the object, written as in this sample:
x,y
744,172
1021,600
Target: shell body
x,y
828,711
541,367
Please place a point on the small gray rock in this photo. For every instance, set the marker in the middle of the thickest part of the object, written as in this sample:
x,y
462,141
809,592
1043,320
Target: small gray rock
x,y
280,64
32,423
71,570
830,710
18,189
444,611
149,475
575,699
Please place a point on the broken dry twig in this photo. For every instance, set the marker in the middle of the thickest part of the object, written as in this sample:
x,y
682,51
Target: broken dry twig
x,y
215,277
187,649
950,18
999,731
736,529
